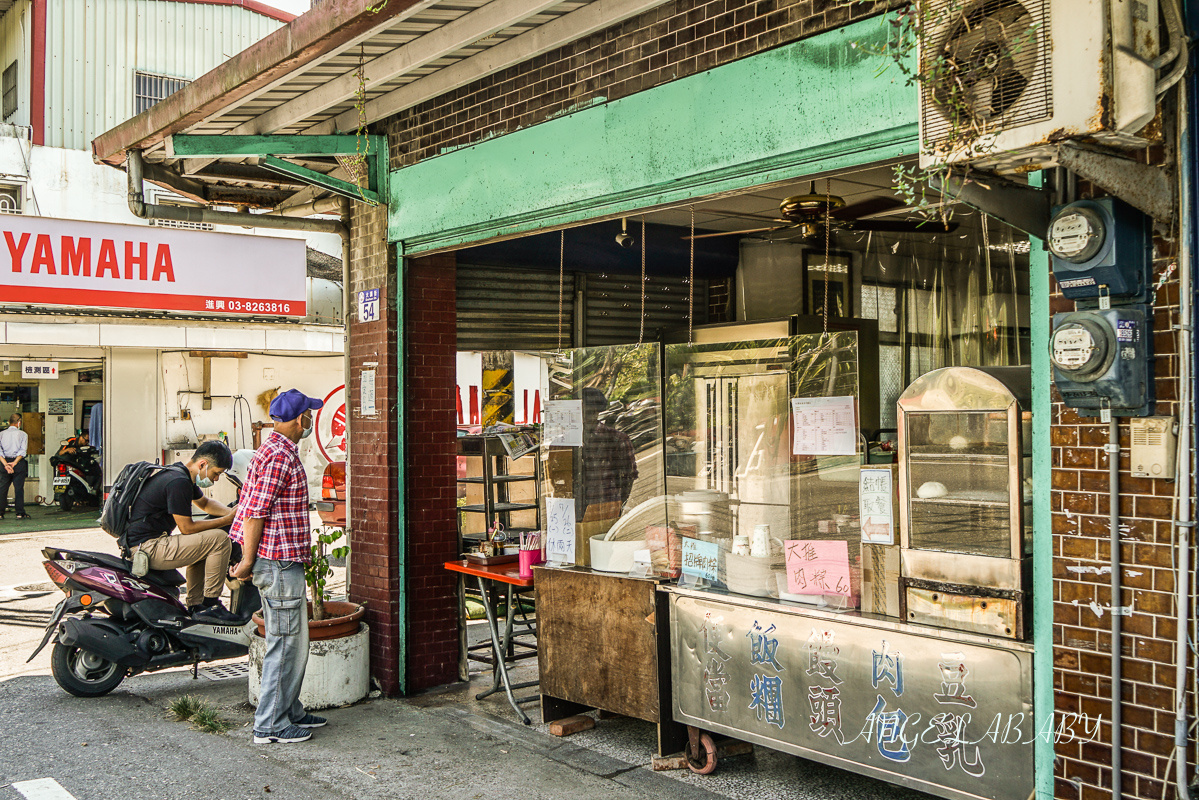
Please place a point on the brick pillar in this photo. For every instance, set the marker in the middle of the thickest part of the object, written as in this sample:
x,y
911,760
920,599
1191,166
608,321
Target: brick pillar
x,y
431,341
374,449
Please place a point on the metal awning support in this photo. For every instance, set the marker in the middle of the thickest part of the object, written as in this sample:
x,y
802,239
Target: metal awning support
x,y
310,176
1025,208
267,149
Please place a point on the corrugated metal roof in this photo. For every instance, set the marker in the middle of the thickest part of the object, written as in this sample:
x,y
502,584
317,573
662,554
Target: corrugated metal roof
x,y
424,24
179,40
304,78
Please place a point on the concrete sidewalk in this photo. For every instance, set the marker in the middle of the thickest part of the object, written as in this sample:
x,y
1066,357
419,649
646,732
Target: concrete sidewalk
x,y
442,744
438,745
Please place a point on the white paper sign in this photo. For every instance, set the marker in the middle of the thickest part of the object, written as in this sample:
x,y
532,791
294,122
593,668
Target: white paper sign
x,y
824,426
366,393
39,370
560,529
874,506
563,423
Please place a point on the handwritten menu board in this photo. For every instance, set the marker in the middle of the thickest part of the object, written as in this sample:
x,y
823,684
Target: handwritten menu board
x,y
824,426
874,506
563,423
818,567
701,559
560,529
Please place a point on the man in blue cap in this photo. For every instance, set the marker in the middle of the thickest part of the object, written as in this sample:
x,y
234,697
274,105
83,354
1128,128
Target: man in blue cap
x,y
273,529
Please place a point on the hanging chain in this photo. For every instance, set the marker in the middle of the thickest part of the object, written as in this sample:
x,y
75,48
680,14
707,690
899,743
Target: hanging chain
x,y
828,224
355,165
691,284
641,332
561,280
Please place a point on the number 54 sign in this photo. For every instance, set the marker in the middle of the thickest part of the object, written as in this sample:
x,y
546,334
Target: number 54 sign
x,y
368,305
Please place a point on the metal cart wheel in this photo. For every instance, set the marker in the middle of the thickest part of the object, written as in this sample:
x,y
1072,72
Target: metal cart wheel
x,y
700,752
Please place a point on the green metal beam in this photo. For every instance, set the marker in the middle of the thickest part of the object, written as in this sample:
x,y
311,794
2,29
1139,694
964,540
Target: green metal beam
x,y
805,108
223,146
336,185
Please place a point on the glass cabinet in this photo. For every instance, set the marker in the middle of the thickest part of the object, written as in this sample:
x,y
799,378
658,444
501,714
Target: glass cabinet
x,y
965,443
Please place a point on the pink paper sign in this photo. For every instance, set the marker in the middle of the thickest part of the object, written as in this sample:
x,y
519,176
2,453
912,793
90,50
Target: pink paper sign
x,y
818,567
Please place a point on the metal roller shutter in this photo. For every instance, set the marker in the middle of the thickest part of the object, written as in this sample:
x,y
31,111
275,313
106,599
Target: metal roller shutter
x,y
614,307
511,309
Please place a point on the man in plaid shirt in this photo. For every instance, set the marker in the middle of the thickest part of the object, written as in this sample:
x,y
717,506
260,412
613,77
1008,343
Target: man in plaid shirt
x,y
272,527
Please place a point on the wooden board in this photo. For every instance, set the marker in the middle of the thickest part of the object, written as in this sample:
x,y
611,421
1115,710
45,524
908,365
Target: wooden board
x,y
34,425
597,642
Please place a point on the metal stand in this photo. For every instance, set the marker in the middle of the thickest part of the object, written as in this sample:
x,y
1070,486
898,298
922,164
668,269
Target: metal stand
x,y
503,649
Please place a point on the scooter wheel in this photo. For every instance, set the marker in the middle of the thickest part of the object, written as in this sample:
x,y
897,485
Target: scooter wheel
x,y
82,673
64,501
703,763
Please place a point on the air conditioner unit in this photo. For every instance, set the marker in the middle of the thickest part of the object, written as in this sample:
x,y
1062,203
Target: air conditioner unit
x,y
1003,82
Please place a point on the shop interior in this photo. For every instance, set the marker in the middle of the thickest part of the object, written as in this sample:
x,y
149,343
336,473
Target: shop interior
x,y
53,410
789,434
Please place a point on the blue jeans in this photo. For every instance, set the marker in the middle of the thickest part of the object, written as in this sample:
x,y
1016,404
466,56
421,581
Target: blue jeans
x,y
285,610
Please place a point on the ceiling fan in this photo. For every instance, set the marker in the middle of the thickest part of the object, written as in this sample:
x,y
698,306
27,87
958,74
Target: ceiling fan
x,y
809,212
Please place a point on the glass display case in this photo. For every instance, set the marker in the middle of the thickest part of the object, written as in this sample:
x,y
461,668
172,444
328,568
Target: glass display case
x,y
965,443
763,454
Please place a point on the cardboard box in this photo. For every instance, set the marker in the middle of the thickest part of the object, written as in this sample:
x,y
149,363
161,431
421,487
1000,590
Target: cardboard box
x,y
880,579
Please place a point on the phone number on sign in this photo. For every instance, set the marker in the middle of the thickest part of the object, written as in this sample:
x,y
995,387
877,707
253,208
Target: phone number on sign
x,y
258,306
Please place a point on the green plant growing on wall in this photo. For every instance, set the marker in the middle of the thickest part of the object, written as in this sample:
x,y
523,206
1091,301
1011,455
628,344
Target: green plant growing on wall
x,y
970,60
318,571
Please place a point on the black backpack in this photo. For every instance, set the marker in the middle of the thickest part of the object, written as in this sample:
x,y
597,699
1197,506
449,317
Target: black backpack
x,y
114,518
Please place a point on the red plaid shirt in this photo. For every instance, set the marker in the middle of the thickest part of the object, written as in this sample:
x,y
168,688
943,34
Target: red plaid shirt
x,y
276,489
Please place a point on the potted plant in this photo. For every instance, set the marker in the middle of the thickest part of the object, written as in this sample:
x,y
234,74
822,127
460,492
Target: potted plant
x,y
338,670
327,619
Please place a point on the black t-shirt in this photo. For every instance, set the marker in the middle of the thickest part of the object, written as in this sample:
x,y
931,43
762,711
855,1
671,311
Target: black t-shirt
x,y
169,492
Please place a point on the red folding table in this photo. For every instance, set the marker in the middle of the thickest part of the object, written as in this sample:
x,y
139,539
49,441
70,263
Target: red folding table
x,y
491,580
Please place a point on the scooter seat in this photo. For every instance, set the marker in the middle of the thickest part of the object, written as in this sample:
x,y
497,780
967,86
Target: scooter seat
x,y
163,577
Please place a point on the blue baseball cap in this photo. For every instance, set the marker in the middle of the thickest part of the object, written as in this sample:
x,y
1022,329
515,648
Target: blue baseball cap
x,y
292,404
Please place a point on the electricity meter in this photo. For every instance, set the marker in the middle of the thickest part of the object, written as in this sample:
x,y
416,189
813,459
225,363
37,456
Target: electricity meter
x,y
1103,359
1100,247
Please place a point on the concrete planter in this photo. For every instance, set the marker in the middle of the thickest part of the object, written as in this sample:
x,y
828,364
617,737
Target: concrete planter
x,y
338,670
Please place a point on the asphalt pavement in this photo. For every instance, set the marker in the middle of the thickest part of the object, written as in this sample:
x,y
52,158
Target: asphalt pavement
x,y
442,744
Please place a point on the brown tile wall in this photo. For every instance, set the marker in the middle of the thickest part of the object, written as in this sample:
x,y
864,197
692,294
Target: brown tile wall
x,y
1081,550
374,460
431,337
673,41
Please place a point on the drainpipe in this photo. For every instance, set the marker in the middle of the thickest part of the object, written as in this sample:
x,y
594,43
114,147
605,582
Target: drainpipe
x,y
1186,462
1113,461
325,205
345,319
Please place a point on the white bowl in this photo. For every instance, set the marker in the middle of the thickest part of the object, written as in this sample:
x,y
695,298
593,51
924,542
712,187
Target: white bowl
x,y
609,556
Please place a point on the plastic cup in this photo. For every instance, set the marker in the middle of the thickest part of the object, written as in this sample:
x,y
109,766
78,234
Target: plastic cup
x,y
529,559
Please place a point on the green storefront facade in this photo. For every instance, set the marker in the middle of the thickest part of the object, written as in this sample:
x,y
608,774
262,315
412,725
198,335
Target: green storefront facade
x,y
806,108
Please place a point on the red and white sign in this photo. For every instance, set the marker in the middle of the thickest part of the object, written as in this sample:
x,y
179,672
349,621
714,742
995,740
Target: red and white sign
x,y
330,425
58,262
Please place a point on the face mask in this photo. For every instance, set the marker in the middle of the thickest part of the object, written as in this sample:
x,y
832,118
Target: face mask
x,y
203,483
304,434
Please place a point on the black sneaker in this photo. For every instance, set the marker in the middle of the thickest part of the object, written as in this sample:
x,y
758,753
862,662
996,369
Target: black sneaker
x,y
288,735
215,613
311,721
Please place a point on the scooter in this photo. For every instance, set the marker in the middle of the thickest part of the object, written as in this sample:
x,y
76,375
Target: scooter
x,y
77,479
112,624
